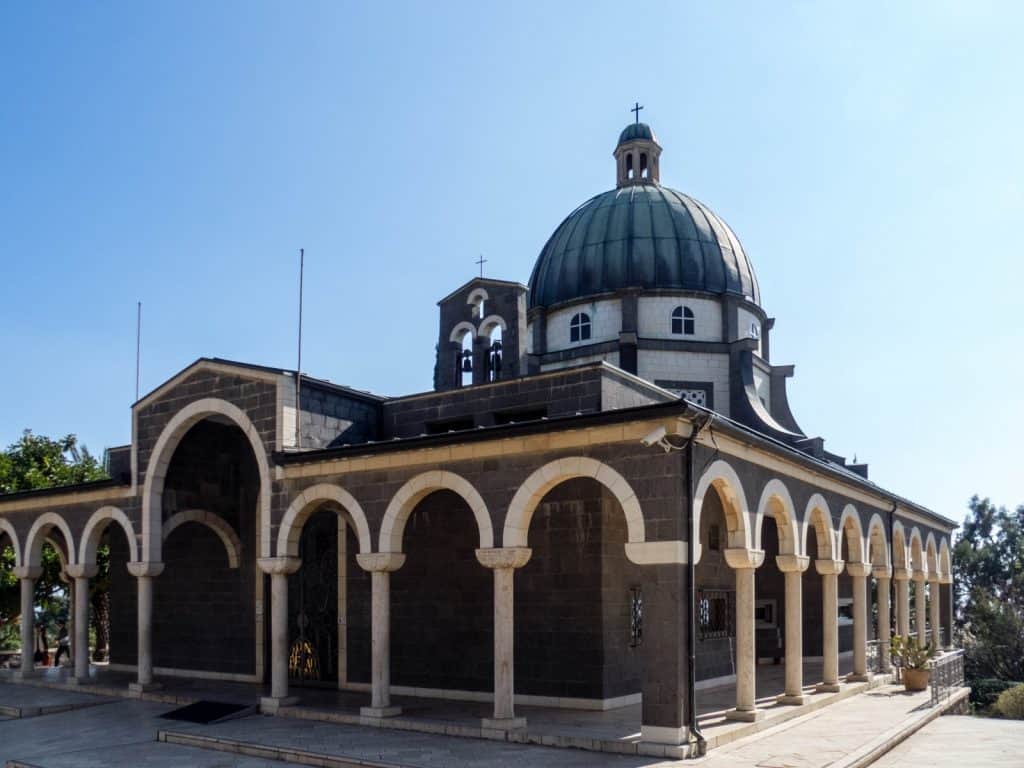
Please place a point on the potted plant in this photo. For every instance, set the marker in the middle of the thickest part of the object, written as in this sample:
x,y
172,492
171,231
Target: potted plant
x,y
913,658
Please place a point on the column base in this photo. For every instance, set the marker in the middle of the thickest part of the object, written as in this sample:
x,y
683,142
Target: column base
x,y
140,688
745,715
503,723
853,678
827,688
795,701
376,713
269,705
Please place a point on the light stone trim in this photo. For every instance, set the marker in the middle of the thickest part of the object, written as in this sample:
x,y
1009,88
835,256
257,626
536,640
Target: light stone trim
x,y
537,485
827,567
58,497
879,545
504,557
721,476
817,514
931,553
792,563
849,526
160,460
900,549
859,570
82,571
901,574
28,571
917,560
944,560
460,330
215,523
97,524
739,558
279,565
146,570
777,502
487,326
663,734
381,561
418,488
40,531
6,527
306,503
657,553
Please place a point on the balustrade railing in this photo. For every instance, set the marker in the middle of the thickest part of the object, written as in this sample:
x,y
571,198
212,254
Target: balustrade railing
x,y
947,674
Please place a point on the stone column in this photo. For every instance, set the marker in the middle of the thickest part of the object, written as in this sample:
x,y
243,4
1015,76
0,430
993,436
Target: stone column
x,y
860,572
504,563
27,574
279,568
380,565
829,570
744,562
145,573
919,606
793,566
902,577
80,641
884,621
933,612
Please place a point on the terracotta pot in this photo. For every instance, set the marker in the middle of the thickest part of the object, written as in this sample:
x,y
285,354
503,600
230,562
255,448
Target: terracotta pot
x,y
915,679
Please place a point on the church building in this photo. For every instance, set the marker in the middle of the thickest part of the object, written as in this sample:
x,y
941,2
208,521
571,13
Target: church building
x,y
606,502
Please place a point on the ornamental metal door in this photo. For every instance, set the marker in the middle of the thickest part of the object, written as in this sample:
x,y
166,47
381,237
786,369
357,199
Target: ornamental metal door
x,y
313,603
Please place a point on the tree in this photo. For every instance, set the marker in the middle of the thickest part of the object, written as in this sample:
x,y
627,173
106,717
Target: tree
x,y
988,561
32,463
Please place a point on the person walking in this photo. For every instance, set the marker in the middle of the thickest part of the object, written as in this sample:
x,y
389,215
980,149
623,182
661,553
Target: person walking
x,y
63,643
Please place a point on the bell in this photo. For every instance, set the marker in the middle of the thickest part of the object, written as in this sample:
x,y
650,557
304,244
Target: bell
x,y
467,364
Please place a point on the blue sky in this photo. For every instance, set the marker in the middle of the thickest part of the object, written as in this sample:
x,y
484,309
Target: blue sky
x,y
868,156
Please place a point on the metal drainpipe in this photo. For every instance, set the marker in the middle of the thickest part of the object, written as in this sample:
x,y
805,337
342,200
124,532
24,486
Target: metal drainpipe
x,y
691,639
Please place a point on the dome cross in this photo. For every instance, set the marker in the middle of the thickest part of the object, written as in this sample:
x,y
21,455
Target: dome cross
x,y
637,106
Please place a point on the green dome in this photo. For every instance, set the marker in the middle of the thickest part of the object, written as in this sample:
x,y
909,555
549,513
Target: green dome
x,y
636,131
642,236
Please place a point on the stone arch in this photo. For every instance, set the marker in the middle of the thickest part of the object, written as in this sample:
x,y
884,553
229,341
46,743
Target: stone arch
x,y
460,330
776,502
931,554
945,564
899,546
850,527
306,503
40,531
487,325
215,523
94,529
721,476
878,545
6,527
537,485
477,297
418,488
817,514
160,460
917,561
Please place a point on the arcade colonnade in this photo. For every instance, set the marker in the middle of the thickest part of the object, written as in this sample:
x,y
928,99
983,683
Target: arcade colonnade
x,y
871,559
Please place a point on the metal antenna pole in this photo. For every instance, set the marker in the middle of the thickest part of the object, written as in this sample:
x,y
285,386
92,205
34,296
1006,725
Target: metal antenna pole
x,y
298,369
138,347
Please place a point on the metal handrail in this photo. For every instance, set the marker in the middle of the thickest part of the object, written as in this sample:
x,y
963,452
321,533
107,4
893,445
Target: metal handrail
x,y
947,674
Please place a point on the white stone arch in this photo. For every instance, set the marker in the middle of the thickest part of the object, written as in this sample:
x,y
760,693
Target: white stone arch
x,y
488,324
536,486
160,460
850,527
306,503
6,527
817,514
878,544
945,559
38,534
901,558
215,523
917,561
931,554
94,529
460,330
418,488
776,502
721,477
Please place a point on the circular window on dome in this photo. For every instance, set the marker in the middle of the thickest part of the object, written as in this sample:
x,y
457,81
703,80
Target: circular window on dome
x,y
579,327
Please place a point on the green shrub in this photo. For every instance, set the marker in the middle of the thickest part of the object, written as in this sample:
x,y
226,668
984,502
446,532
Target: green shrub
x,y
1010,703
985,691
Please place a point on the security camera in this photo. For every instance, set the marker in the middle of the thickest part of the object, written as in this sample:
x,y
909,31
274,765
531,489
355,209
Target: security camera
x,y
654,438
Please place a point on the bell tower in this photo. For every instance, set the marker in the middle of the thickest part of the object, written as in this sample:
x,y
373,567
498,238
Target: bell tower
x,y
637,155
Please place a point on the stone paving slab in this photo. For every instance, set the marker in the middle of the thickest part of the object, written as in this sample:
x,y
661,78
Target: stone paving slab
x,y
961,742
29,701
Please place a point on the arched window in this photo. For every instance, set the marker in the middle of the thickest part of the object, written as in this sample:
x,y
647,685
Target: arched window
x,y
683,323
579,327
629,166
643,165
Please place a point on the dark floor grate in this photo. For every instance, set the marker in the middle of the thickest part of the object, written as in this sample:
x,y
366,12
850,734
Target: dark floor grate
x,y
206,712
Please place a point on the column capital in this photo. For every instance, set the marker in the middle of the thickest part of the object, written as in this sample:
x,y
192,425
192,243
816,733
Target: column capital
x,y
279,565
791,563
82,570
28,571
920,575
901,574
946,578
381,561
881,572
740,558
138,570
504,557
829,567
859,570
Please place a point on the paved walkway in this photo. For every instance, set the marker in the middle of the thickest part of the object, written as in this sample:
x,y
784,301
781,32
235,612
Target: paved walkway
x,y
961,742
